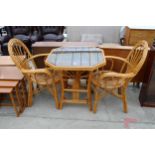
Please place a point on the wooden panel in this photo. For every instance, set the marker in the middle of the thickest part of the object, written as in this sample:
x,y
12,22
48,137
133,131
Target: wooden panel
x,y
6,90
132,35
10,73
147,93
6,61
64,44
8,83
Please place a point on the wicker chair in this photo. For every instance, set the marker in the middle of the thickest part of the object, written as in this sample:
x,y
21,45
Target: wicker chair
x,y
115,83
25,61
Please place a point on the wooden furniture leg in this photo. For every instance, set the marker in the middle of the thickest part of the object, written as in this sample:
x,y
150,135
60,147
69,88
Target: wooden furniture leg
x,y
62,93
76,85
19,100
125,107
89,92
96,101
14,105
55,96
24,92
30,93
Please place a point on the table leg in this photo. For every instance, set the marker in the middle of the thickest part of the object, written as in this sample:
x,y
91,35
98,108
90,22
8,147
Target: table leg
x,y
89,91
76,85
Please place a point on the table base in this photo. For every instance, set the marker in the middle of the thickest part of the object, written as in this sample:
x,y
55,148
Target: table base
x,y
76,88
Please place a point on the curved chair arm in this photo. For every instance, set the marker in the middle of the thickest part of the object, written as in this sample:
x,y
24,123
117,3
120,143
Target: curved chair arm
x,y
121,59
38,55
118,75
34,57
36,71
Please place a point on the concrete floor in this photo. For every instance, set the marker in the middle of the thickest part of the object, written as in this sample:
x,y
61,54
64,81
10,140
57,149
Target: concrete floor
x,y
109,115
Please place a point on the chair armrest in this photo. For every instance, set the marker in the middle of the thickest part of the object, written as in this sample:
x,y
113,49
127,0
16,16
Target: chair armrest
x,y
36,71
117,75
37,56
121,59
31,59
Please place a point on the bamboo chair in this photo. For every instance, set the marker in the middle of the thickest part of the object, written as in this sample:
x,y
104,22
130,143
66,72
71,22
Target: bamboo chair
x,y
25,61
115,83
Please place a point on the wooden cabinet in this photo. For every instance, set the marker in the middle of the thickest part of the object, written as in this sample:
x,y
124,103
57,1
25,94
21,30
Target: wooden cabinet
x,y
147,93
134,34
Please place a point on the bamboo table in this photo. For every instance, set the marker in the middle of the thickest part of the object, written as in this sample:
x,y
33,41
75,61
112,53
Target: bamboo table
x,y
73,62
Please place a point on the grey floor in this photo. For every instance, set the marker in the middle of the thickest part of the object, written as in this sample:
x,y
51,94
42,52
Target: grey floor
x,y
109,115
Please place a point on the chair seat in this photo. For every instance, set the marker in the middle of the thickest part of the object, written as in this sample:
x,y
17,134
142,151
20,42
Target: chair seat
x,y
53,37
108,83
22,37
43,79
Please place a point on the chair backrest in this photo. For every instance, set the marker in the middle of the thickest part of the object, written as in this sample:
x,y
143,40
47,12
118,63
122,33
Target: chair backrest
x,y
24,61
25,30
137,57
19,53
51,30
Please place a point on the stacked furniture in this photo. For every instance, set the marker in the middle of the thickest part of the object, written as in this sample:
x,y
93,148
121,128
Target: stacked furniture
x,y
31,34
12,86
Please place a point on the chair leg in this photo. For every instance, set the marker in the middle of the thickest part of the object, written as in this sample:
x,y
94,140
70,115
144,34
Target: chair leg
x,y
20,103
24,95
90,100
14,105
55,95
95,102
62,94
30,93
125,106
53,92
89,93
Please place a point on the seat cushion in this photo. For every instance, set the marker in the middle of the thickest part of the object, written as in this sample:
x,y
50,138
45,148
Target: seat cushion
x,y
50,30
60,38
51,37
16,30
108,83
43,79
22,37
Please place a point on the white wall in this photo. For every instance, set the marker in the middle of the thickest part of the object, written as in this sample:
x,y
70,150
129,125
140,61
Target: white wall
x,y
110,33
